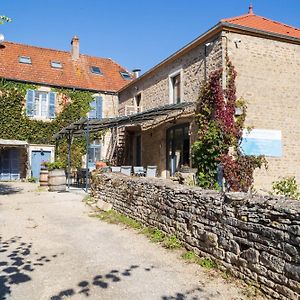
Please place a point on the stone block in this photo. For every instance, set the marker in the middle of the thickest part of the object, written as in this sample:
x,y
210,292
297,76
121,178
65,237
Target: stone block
x,y
272,262
292,271
251,255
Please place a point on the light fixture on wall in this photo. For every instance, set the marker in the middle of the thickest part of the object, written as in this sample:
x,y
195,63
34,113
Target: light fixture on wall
x,y
237,42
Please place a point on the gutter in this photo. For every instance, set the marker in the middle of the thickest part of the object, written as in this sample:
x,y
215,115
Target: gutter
x,y
61,86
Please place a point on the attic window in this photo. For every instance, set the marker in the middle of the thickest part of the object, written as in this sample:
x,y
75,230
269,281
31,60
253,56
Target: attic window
x,y
25,59
56,64
125,75
96,70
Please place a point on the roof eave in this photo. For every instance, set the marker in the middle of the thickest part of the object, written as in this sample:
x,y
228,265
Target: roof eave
x,y
258,32
197,41
61,86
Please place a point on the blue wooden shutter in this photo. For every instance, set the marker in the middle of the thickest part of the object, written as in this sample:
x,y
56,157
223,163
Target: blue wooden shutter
x,y
99,105
92,113
29,103
51,112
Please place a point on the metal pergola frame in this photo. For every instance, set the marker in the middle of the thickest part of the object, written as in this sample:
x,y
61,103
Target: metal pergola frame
x,y
86,126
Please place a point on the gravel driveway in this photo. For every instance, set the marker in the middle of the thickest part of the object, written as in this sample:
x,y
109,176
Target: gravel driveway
x,y
51,249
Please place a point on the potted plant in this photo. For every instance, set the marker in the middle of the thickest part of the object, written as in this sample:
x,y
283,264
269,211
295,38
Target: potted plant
x,y
56,176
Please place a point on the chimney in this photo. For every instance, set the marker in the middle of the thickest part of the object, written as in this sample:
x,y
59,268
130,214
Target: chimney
x,y
250,11
75,48
136,72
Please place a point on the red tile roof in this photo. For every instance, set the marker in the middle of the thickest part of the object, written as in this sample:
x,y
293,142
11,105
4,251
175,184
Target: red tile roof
x,y
72,74
253,21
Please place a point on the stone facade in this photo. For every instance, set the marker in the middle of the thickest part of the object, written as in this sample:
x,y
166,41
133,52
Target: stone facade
x,y
154,88
155,91
256,238
268,79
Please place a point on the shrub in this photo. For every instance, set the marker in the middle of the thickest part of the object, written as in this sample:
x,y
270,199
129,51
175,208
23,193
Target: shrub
x,y
287,186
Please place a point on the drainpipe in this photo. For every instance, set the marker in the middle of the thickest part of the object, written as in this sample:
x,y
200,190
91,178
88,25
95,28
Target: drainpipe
x,y
87,154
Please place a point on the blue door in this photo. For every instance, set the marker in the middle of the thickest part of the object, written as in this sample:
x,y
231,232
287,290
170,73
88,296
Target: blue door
x,y
10,164
37,158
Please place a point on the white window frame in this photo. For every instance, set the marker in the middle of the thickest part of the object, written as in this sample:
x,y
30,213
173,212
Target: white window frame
x,y
39,114
174,73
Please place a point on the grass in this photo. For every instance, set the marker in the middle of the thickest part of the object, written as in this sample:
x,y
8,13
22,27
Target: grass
x,y
172,243
114,217
205,262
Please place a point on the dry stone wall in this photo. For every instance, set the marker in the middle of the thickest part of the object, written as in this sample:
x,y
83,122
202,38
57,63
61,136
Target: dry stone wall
x,y
257,238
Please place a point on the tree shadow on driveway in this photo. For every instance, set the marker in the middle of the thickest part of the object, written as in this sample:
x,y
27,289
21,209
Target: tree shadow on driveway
x,y
7,189
102,281
18,264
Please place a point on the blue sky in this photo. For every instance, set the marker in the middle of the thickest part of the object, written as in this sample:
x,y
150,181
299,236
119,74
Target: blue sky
x,y
135,33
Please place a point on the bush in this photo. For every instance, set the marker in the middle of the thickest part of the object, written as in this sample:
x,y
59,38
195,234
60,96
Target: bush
x,y
287,186
54,165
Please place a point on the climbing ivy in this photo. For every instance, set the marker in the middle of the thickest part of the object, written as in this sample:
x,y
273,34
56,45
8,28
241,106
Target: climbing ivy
x,y
220,134
15,124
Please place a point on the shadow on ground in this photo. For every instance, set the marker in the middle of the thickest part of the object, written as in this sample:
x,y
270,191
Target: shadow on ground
x,y
102,281
17,262
193,294
7,189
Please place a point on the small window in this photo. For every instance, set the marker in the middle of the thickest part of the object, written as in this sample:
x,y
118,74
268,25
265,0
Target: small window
x,y
25,59
125,75
96,70
176,89
56,64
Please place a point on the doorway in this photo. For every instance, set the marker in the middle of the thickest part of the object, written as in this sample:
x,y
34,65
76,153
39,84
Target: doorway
x,y
178,147
10,164
37,158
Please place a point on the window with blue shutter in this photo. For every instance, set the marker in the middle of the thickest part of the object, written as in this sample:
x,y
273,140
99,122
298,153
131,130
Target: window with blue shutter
x,y
51,112
29,103
96,108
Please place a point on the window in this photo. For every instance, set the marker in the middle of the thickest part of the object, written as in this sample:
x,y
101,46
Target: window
x,y
94,153
40,104
96,108
56,64
96,70
175,91
125,75
25,59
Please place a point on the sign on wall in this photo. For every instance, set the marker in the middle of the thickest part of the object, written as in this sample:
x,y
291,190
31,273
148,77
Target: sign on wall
x,y
262,142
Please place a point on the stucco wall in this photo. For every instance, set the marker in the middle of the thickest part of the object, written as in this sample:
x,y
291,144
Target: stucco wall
x,y
268,79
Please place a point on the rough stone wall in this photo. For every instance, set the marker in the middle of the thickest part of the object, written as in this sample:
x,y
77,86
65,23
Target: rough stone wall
x,y
154,88
256,238
268,79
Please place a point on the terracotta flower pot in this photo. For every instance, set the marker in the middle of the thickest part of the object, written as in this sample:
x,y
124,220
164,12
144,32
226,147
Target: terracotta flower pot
x,y
100,164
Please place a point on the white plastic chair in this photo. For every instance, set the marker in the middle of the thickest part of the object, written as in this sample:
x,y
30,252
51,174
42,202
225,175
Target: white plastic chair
x,y
138,171
115,169
126,170
151,171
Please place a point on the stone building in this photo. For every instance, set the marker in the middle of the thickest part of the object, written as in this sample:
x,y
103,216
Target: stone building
x,y
266,56
45,74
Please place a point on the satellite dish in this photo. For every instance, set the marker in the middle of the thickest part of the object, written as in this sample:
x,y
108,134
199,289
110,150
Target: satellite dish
x,y
1,38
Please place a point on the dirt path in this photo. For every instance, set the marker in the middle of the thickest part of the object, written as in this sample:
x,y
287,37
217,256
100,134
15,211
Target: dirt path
x,y
51,249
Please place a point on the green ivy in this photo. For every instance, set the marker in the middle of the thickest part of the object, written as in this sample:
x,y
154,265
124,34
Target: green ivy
x,y
14,124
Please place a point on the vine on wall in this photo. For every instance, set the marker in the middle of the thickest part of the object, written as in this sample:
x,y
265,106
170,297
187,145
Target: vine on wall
x,y
14,123
220,133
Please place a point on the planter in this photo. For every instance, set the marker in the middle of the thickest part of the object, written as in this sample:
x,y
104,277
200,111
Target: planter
x,y
100,164
44,177
57,180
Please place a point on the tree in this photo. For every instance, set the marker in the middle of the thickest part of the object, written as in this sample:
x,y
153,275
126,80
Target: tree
x,y
4,19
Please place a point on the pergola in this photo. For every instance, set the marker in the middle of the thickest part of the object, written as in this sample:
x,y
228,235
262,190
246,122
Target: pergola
x,y
86,126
